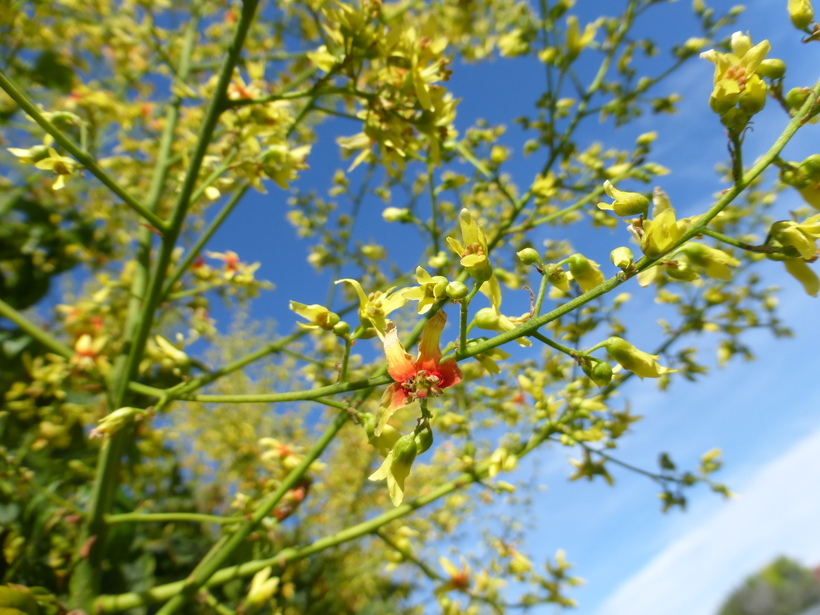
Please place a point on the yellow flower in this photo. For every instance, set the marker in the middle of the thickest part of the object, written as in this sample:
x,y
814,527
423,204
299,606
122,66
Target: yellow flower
x,y
374,308
396,467
63,166
318,316
585,272
735,79
640,363
714,262
430,290
660,234
474,252
625,203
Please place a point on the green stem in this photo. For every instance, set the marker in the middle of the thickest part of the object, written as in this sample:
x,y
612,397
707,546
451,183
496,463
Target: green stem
x,y
570,352
53,344
122,602
203,573
146,295
345,359
203,239
730,195
331,389
79,154
542,291
763,249
170,518
464,315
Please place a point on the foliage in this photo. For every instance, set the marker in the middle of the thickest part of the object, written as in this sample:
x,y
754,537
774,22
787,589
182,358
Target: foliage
x,y
156,461
783,587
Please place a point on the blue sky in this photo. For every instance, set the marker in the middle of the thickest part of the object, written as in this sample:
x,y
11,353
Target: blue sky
x,y
763,414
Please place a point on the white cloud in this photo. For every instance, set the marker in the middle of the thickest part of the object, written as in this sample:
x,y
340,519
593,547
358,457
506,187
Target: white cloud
x,y
695,573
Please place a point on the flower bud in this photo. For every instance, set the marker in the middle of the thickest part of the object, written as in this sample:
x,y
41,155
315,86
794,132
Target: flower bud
x,y
498,154
626,203
318,316
801,13
487,318
457,290
585,272
811,167
622,257
424,440
397,214
115,421
529,256
600,372
772,68
640,363
797,97
681,270
261,589
557,277
341,328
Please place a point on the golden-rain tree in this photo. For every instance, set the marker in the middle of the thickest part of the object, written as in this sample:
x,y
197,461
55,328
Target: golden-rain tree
x,y
153,460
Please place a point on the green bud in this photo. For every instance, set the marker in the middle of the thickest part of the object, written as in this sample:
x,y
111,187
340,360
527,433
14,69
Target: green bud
x,y
341,328
405,451
529,256
646,138
424,440
457,290
797,97
771,68
681,270
600,372
397,214
557,277
625,203
622,257
811,167
801,13
487,318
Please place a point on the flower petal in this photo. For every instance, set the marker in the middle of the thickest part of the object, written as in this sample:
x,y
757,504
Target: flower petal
x,y
429,351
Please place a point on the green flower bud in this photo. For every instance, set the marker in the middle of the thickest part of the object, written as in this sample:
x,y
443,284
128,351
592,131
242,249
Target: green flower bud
x,y
600,372
397,214
622,258
811,167
640,363
342,329
646,138
529,256
557,277
797,97
424,440
457,290
772,68
801,13
626,203
681,270
115,421
487,318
